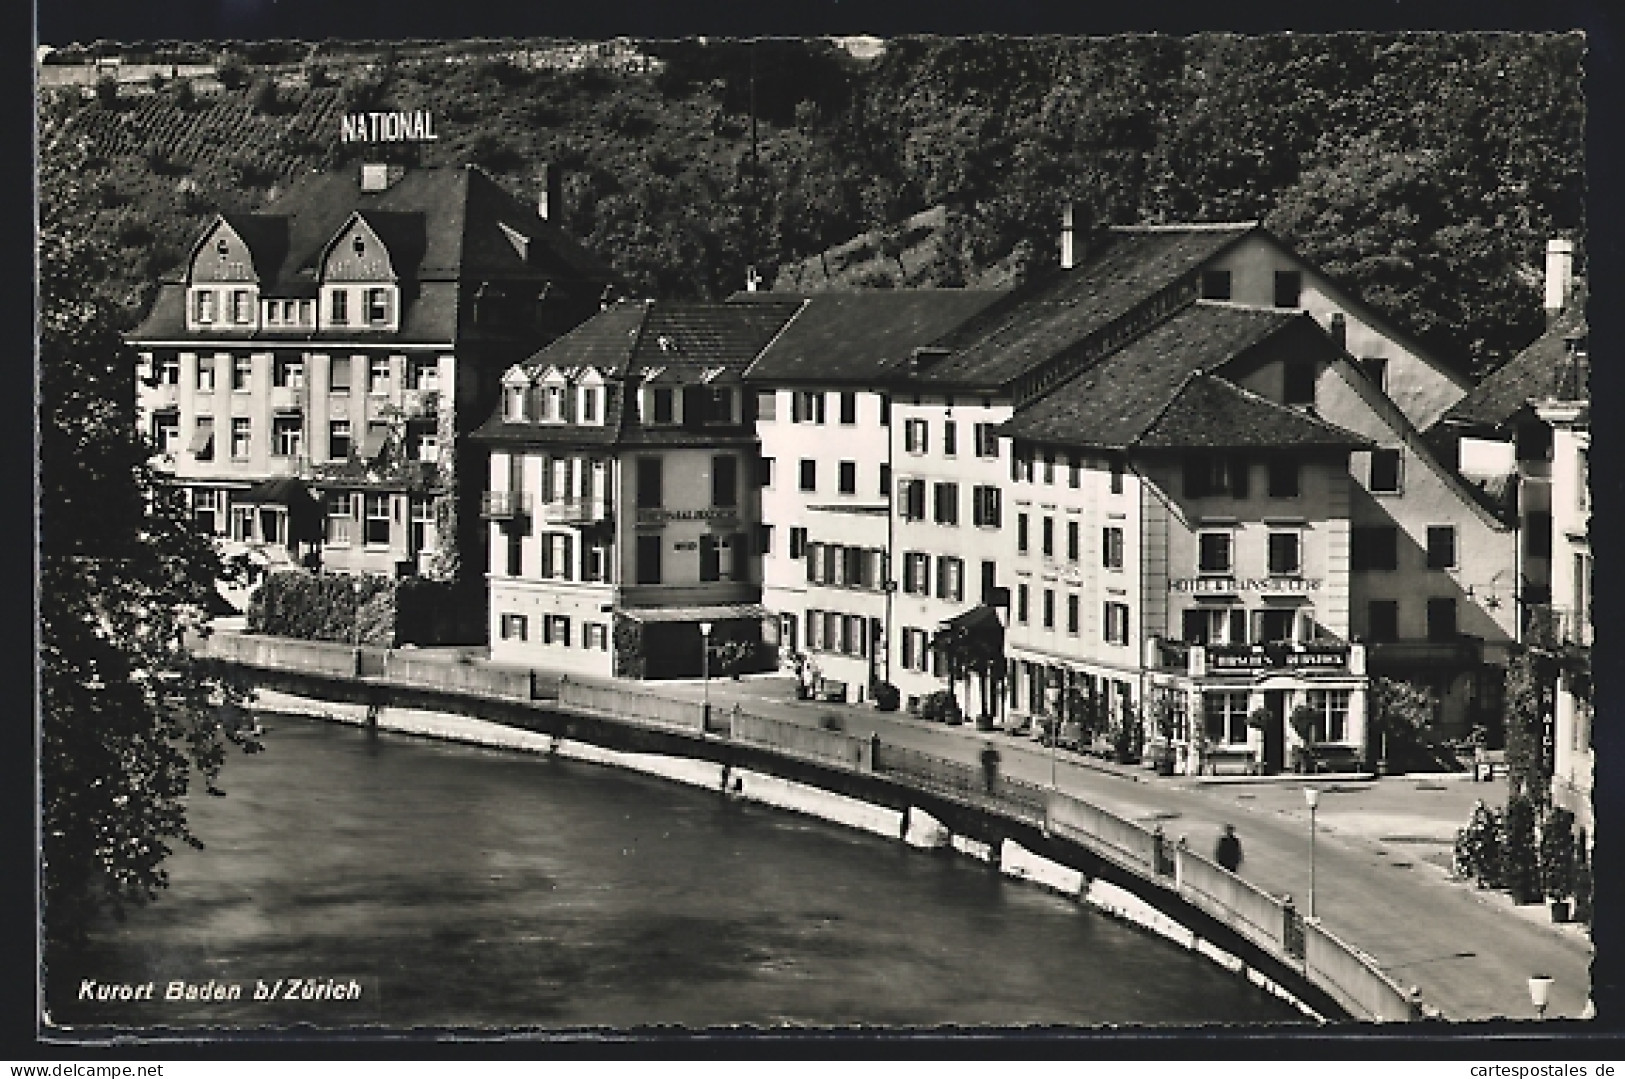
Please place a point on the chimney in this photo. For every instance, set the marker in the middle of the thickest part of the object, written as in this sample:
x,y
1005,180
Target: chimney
x,y
1559,275
550,199
1068,259
378,176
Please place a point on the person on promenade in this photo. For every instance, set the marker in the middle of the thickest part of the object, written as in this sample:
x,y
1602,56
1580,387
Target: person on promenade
x,y
1228,851
990,766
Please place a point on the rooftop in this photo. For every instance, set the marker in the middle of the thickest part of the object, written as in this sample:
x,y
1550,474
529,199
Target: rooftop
x,y
1550,368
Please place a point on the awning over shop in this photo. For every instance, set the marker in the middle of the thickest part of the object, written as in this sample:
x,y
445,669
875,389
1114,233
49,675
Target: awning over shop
x,y
981,618
282,491
372,444
202,440
721,612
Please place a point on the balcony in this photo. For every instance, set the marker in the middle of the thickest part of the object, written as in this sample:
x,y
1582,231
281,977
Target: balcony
x,y
504,505
1549,627
575,511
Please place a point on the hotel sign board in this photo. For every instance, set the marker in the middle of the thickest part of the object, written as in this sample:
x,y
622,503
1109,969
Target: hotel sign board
x,y
1276,659
1229,586
660,516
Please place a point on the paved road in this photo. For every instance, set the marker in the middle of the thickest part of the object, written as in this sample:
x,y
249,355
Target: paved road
x,y
1470,952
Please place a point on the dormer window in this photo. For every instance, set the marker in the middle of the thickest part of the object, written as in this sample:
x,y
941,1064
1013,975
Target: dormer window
x,y
553,404
662,404
513,404
203,305
719,405
341,308
239,307
377,306
589,405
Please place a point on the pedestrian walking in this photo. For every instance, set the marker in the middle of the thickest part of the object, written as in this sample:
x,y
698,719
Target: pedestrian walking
x,y
1228,851
990,766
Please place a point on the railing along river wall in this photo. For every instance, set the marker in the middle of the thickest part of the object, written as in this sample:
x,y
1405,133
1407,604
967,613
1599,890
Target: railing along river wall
x,y
1270,923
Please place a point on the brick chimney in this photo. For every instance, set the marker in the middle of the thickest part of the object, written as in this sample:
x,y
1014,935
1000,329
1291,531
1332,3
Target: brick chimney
x,y
378,176
1068,252
1559,276
550,197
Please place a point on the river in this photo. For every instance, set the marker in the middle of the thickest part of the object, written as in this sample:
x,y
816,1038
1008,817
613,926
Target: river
x,y
452,886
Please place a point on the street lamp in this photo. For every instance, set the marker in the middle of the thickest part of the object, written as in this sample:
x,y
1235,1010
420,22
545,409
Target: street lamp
x,y
705,665
1540,990
1311,795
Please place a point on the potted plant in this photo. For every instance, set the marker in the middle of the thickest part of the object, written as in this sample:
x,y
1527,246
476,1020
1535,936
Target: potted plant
x,y
886,696
1521,857
1557,862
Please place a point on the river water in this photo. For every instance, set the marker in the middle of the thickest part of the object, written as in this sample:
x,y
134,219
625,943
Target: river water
x,y
452,886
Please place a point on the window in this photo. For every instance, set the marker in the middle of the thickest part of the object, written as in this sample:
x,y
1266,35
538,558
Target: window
x,y
1442,546
1385,471
661,399
725,481
339,312
1376,369
203,306
288,372
1382,620
240,313
764,471
1283,477
558,562
1073,613
1074,471
287,434
1111,547
807,406
169,371
1582,479
650,475
1049,466
1375,548
513,627
767,405
950,438
203,439
1284,554
950,578
209,509
1115,623
649,559
1021,533
377,519
556,629
340,518
849,407
764,539
378,376
1331,708
1213,625
1117,475
1288,286
719,405
848,478
1207,475
1274,624
809,474
990,581
240,438
205,374
242,373
1074,536
916,649
338,375
916,433
885,480
1441,619
885,410
595,635
917,573
1021,604
377,306
423,530
1224,716
798,542
1215,284
595,563
1213,552
1049,608
987,443
1537,535
946,504
425,446
913,498
166,431
423,374
985,507
1298,382
516,550
338,440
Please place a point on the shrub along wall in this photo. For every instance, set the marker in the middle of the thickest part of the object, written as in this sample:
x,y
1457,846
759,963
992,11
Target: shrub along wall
x,y
371,610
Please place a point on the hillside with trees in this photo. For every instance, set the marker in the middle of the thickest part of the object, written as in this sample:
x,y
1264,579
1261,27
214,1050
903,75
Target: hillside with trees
x,y
1425,171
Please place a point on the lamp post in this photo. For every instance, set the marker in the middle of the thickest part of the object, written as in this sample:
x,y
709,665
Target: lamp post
x,y
1311,795
705,666
1540,991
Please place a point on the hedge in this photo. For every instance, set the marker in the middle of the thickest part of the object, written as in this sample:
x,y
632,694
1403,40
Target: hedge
x,y
366,609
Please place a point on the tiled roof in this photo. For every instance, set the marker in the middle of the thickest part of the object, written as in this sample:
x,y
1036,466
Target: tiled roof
x,y
1154,390
1036,322
858,336
708,334
1546,369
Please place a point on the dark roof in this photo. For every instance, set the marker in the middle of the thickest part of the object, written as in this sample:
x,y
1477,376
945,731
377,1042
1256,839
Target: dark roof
x,y
1036,322
442,224
858,336
708,334
1548,368
1157,390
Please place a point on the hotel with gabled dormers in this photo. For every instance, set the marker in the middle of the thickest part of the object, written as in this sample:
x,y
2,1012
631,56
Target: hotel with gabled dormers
x,y
622,505
1423,569
311,375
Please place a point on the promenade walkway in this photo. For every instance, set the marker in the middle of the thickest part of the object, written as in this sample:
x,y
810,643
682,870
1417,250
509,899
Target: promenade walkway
x,y
1382,851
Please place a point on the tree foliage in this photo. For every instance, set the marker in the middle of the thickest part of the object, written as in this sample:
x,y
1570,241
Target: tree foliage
x,y
1529,684
128,716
